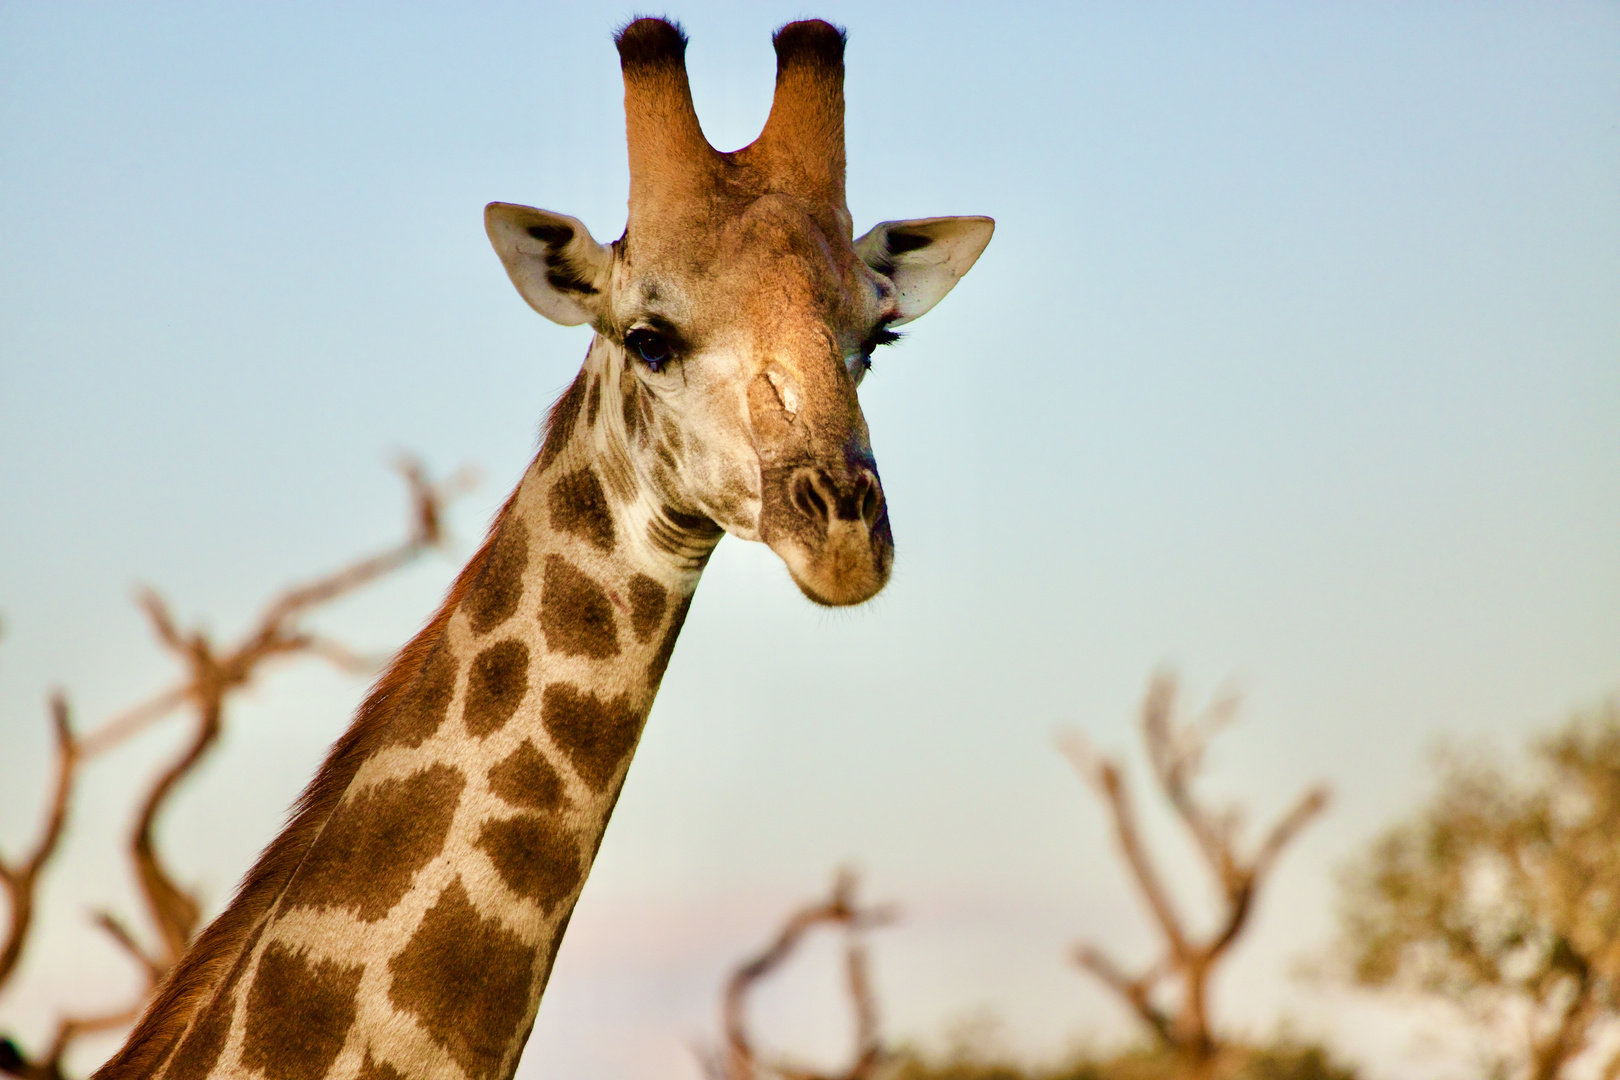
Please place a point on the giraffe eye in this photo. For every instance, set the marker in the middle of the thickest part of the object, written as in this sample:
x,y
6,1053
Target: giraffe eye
x,y
651,347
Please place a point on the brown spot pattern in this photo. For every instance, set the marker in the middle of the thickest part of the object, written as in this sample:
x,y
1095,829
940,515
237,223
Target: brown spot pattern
x,y
672,435
595,734
203,1044
579,506
525,778
631,390
575,613
666,647
499,588
593,401
298,1014
372,1069
466,979
560,424
644,430
426,702
375,842
496,684
536,856
647,601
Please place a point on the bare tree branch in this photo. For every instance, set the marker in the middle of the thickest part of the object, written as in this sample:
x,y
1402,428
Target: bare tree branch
x,y
341,656
1176,751
1137,992
130,721
273,634
1106,778
740,1060
21,879
120,933
1310,804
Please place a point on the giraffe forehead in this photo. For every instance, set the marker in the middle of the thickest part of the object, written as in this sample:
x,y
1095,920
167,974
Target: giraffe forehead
x,y
776,255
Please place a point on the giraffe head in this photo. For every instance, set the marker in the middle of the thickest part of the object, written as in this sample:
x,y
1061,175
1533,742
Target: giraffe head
x,y
737,315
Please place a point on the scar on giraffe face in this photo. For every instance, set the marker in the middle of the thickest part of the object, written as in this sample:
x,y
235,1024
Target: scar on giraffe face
x,y
299,1012
376,841
575,613
466,980
756,269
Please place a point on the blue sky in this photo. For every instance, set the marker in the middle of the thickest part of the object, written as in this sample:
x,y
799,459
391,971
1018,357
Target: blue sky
x,y
1294,364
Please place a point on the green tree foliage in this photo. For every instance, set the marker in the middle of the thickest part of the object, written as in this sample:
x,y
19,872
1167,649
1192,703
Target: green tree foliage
x,y
1503,896
1280,1060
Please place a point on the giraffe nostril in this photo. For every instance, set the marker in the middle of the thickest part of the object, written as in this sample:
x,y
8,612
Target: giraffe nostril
x,y
871,497
807,498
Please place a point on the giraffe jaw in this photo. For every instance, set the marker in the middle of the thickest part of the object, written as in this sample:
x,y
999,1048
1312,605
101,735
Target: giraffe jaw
x,y
840,575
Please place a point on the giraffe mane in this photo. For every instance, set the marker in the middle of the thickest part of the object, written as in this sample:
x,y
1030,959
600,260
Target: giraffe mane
x,y
204,967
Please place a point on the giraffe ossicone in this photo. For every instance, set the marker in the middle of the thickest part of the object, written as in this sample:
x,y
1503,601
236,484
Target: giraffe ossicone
x,y
404,924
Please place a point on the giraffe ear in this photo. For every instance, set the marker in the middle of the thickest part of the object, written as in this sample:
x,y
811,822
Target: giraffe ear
x,y
925,258
552,260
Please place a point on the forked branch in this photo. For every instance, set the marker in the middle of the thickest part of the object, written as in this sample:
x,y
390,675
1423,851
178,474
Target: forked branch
x,y
21,878
1176,750
212,675
741,1060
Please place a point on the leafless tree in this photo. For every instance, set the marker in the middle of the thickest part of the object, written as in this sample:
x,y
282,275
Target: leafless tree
x,y
1171,995
210,675
740,1058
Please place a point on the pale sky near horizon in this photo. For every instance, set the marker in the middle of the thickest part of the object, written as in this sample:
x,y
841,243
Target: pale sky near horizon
x,y
1294,365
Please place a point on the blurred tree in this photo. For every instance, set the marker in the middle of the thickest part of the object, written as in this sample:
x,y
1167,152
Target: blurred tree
x,y
1504,898
740,1059
1281,1059
1171,996
974,1052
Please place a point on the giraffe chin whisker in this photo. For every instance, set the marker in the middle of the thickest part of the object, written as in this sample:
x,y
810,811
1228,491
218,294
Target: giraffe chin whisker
x,y
849,567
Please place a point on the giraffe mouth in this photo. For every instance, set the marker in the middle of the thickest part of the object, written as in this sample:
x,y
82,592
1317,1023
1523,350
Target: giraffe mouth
x,y
831,529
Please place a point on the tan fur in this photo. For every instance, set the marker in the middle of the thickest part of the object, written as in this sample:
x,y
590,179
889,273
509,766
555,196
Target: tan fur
x,y
406,921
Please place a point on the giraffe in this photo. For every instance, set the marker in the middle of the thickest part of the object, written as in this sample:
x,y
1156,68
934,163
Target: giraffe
x,y
405,922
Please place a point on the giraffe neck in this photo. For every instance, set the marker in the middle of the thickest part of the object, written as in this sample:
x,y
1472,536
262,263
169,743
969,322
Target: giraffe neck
x,y
417,932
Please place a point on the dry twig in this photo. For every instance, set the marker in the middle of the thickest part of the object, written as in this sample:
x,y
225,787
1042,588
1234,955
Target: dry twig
x,y
740,1060
1175,749
20,879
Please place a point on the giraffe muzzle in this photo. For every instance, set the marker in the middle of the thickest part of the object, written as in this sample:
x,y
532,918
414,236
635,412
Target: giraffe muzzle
x,y
831,527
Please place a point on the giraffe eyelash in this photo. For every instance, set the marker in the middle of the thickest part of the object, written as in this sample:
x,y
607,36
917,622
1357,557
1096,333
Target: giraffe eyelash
x,y
881,336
